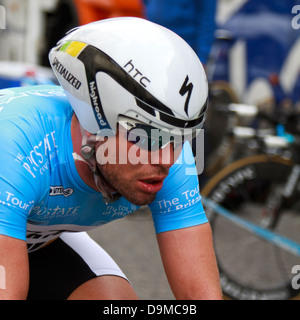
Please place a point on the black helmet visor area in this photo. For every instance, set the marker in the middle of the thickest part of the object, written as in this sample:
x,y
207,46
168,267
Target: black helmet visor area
x,y
152,138
171,119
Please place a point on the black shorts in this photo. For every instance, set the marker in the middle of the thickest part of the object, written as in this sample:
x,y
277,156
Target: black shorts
x,y
63,265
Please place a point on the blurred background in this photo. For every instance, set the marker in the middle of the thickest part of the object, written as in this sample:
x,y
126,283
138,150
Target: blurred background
x,y
252,47
263,43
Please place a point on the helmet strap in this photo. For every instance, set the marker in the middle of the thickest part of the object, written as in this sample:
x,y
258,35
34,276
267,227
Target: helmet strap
x,y
89,157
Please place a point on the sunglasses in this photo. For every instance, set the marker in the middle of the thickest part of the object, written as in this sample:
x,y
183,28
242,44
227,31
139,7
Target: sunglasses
x,y
150,138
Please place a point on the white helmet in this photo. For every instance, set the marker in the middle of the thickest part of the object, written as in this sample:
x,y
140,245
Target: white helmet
x,y
130,67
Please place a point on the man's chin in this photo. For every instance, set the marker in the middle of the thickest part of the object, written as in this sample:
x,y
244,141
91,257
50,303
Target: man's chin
x,y
140,200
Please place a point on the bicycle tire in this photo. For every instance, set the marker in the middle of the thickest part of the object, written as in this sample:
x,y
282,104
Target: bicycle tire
x,y
250,267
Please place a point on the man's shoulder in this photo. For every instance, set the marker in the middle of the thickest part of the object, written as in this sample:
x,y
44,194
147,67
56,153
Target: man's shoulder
x,y
36,90
28,112
41,96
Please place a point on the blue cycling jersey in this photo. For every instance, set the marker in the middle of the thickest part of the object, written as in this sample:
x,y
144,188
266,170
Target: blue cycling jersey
x,y
41,193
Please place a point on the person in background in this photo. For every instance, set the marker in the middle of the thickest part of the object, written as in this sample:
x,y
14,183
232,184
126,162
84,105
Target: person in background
x,y
193,20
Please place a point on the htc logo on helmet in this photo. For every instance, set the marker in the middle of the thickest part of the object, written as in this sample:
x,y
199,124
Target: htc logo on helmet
x,y
136,74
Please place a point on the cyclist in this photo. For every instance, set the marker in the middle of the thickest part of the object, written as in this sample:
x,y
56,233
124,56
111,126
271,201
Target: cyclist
x,y
67,164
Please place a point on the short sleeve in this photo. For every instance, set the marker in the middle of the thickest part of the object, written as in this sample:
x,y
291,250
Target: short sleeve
x,y
178,204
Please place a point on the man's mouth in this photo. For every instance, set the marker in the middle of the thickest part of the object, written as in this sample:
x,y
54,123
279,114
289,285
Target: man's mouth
x,y
150,181
152,185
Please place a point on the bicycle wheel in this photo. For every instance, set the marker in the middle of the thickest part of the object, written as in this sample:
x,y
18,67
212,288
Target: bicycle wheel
x,y
251,267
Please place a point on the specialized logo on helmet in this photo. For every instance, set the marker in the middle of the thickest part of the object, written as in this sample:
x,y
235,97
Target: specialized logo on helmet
x,y
186,88
66,74
88,54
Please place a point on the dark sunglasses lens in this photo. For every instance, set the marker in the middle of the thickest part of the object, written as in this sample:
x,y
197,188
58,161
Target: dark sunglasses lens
x,y
150,143
152,139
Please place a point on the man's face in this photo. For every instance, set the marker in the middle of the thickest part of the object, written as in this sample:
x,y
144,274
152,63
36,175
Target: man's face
x,y
137,174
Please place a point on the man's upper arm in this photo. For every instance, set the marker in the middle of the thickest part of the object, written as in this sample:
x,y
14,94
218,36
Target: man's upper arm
x,y
189,261
14,275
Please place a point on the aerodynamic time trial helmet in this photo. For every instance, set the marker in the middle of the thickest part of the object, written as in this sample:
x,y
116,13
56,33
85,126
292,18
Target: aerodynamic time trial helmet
x,y
130,67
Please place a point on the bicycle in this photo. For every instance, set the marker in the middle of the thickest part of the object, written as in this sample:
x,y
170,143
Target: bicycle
x,y
221,94
223,143
253,205
225,109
